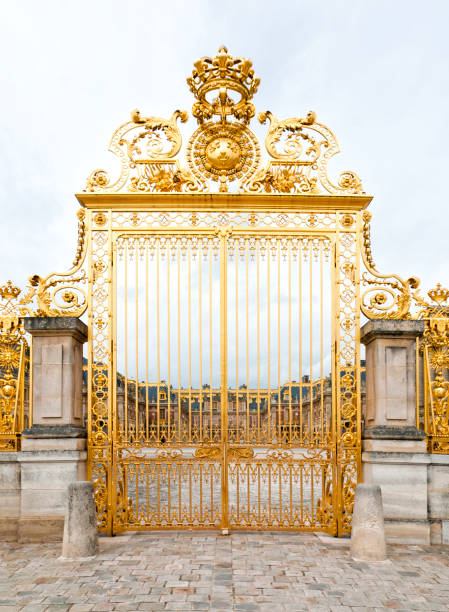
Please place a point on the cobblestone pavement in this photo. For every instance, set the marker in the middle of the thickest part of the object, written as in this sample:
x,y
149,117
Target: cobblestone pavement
x,y
206,571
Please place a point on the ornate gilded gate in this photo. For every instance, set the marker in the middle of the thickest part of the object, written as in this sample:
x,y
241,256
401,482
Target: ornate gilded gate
x,y
224,363
224,372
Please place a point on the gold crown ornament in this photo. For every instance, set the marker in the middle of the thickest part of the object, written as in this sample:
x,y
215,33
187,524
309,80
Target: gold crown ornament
x,y
9,292
439,294
233,80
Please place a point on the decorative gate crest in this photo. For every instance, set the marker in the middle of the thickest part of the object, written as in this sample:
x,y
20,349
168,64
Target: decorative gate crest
x,y
224,152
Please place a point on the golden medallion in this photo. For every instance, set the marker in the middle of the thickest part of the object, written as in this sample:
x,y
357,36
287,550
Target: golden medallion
x,y
223,152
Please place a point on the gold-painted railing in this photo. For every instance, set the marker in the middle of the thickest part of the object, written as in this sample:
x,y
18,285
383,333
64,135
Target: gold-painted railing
x,y
433,370
14,383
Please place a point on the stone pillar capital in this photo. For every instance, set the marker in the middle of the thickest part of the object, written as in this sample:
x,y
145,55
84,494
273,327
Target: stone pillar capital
x,y
391,328
56,326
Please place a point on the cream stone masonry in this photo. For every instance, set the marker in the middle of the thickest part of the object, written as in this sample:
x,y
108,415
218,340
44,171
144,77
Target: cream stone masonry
x,y
10,494
391,374
57,370
34,482
368,533
80,527
414,483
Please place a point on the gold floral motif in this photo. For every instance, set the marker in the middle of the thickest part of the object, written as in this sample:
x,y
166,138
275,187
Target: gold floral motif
x,y
100,219
162,177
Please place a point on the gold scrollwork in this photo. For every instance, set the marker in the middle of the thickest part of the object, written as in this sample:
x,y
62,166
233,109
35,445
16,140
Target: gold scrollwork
x,y
151,145
388,296
223,150
301,149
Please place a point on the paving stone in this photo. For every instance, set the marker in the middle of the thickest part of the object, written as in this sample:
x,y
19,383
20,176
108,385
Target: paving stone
x,y
247,571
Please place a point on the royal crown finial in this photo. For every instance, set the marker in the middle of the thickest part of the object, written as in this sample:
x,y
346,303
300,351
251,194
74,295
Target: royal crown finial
x,y
9,291
232,78
439,294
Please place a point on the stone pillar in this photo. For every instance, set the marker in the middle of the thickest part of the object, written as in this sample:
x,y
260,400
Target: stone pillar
x,y
54,447
368,533
394,451
80,528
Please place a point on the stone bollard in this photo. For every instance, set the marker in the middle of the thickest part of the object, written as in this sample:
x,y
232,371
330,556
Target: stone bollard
x,y
368,534
80,527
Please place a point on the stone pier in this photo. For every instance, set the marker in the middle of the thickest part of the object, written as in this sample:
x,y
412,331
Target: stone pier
x,y
34,482
414,483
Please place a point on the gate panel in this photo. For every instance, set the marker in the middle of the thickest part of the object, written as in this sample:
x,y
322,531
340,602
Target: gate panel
x,y
222,394
280,406
168,396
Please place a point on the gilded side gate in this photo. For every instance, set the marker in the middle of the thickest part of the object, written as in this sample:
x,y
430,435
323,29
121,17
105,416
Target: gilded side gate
x,y
223,299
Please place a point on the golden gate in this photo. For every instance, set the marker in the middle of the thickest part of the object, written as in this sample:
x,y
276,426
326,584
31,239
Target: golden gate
x,y
223,295
224,359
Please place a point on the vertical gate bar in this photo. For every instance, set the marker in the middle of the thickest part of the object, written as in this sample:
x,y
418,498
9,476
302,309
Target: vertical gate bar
x,y
338,500
158,347
189,259
169,436
147,490
146,346
290,341
258,340
17,415
136,476
429,416
200,337
248,494
237,396
278,254
300,256
211,380
247,437
270,434
178,256
357,390
169,517
126,343
224,379
321,345
311,419
112,385
136,264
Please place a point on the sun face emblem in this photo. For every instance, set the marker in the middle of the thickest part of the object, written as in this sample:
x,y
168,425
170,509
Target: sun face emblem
x,y
223,153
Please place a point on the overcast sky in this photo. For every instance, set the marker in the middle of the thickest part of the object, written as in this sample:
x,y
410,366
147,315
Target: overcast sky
x,y
375,72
